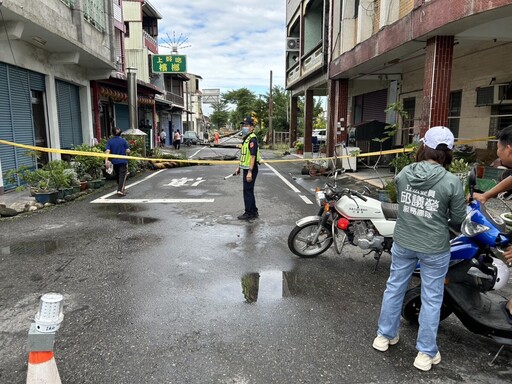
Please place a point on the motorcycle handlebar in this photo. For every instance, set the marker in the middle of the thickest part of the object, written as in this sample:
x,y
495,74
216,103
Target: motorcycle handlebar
x,y
351,192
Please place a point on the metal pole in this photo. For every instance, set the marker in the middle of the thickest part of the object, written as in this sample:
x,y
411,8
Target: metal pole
x,y
270,108
132,97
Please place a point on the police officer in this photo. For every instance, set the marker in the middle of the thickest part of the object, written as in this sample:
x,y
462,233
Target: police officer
x,y
249,160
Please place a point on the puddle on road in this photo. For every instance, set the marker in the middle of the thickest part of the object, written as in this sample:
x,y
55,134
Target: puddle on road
x,y
137,220
123,213
258,287
35,248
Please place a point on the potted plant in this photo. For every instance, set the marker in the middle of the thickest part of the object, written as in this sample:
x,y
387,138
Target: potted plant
x,y
400,161
388,193
299,147
460,168
60,179
91,165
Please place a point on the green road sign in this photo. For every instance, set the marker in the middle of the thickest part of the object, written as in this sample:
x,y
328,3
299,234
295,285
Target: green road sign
x,y
169,63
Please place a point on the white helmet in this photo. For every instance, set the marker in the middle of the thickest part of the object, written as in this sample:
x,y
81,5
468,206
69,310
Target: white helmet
x,y
502,273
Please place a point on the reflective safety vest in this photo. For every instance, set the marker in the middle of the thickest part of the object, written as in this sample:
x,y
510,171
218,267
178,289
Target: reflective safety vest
x,y
245,155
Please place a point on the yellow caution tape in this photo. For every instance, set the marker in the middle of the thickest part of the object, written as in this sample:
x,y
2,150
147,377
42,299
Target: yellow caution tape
x,y
158,160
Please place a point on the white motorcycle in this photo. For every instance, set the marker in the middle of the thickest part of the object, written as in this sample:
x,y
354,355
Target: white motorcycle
x,y
345,216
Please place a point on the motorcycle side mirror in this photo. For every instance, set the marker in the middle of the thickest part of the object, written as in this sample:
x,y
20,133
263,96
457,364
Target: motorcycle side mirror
x,y
472,182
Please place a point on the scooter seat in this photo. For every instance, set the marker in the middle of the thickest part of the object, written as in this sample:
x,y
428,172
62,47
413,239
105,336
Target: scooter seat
x,y
390,210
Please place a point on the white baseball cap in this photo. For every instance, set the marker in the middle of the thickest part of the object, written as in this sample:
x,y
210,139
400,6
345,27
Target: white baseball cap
x,y
438,135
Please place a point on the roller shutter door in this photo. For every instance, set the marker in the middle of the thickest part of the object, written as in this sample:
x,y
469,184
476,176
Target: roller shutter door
x,y
70,117
374,105
16,122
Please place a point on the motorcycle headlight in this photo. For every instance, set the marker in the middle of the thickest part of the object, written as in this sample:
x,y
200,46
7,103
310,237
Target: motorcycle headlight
x,y
469,228
320,198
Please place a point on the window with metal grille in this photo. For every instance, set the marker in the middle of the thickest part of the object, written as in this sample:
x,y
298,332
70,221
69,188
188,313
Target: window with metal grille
x,y
94,13
69,3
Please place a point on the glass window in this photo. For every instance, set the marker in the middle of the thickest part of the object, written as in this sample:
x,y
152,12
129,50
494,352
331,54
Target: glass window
x,y
454,112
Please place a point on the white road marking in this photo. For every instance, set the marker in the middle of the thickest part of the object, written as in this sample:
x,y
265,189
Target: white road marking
x,y
195,153
306,200
150,201
183,181
292,187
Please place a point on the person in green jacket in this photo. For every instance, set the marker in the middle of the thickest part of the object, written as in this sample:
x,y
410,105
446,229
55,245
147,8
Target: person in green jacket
x,y
428,196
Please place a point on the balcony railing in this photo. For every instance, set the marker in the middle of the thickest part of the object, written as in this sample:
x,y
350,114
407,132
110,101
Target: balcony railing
x,y
313,61
174,98
150,42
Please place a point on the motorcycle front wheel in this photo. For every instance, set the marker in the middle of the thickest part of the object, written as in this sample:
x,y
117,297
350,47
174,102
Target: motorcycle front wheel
x,y
300,240
412,305
339,237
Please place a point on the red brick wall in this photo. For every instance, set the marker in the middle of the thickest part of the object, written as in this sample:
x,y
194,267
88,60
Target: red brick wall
x,y
436,81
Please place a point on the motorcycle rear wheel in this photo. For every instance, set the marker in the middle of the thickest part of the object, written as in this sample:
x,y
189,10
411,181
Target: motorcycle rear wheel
x,y
412,305
299,240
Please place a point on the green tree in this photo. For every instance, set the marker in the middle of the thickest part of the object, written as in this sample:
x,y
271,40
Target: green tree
x,y
318,110
220,114
280,101
244,101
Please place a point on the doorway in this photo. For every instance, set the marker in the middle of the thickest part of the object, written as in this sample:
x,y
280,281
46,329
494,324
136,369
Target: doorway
x,y
39,119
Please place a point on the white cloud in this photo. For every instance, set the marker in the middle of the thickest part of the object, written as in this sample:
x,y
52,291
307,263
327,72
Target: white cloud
x,y
233,44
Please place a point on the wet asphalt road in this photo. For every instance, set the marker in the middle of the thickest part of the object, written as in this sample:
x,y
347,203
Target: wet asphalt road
x,y
183,292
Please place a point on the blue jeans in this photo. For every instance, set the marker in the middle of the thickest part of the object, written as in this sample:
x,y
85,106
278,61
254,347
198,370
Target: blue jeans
x,y
433,272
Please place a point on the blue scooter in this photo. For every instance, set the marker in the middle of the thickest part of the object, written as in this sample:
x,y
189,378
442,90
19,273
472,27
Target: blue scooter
x,y
477,269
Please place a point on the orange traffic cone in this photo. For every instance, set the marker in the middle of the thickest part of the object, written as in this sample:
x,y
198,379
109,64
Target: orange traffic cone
x,y
42,368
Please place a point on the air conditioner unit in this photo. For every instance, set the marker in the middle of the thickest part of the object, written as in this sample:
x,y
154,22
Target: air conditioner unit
x,y
292,44
494,95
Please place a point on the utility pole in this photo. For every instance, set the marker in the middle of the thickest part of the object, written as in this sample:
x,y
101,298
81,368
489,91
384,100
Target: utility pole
x,y
270,108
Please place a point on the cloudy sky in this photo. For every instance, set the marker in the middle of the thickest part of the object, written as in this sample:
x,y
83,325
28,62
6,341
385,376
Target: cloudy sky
x,y
233,44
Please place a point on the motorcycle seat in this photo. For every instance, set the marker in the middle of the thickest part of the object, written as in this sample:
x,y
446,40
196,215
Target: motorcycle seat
x,y
390,210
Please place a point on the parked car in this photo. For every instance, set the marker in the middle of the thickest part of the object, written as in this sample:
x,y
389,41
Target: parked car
x,y
320,135
190,138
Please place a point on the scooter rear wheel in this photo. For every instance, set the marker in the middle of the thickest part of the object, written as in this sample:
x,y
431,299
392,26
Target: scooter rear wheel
x,y
299,240
412,305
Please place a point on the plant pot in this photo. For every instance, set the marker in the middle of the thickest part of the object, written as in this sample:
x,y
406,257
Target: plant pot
x,y
68,191
46,197
77,188
94,184
83,185
480,169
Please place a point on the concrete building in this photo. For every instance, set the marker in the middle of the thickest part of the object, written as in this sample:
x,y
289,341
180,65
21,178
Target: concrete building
x,y
135,25
45,71
445,60
193,118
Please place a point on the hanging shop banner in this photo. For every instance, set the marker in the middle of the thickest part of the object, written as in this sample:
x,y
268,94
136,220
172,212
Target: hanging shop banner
x,y
169,63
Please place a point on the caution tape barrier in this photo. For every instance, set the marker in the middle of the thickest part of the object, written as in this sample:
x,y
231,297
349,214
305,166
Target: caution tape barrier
x,y
190,161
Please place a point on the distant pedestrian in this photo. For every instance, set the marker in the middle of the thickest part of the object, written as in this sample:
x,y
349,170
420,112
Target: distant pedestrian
x,y
177,139
216,137
117,145
163,137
